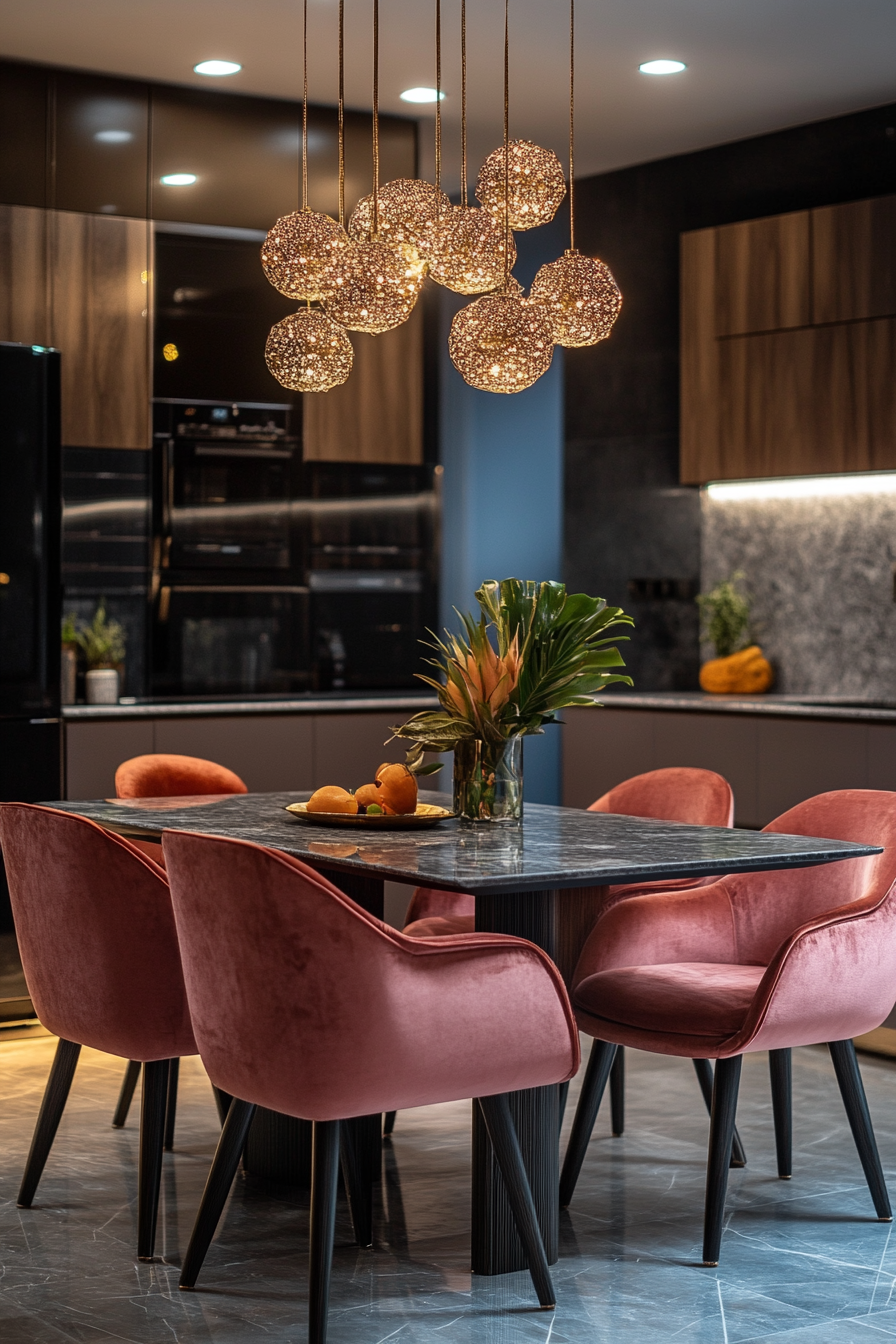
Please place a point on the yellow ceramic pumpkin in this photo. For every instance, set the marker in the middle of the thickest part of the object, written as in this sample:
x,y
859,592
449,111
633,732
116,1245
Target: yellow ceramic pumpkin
x,y
745,672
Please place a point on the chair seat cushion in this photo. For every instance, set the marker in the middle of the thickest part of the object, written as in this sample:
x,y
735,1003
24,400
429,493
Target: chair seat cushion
x,y
439,926
688,998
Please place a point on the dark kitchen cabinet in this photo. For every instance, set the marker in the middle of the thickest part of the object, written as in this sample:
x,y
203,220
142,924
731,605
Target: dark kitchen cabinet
x,y
24,169
102,145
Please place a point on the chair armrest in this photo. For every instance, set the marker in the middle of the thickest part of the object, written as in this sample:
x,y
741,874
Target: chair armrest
x,y
833,978
650,930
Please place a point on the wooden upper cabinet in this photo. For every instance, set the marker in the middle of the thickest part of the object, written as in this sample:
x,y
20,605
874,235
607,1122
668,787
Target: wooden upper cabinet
x,y
854,260
763,278
99,302
24,285
788,344
377,415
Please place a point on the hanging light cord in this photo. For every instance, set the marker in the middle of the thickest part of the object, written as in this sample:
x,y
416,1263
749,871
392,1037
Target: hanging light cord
x,y
376,118
305,105
506,141
572,123
438,94
463,102
342,112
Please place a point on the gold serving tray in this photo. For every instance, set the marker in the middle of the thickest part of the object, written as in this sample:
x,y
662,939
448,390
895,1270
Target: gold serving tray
x,y
427,814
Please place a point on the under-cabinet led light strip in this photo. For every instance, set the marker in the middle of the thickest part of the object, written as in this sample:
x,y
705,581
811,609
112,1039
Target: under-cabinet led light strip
x,y
805,487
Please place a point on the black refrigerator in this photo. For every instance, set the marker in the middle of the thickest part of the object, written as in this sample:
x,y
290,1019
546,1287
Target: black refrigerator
x,y
30,596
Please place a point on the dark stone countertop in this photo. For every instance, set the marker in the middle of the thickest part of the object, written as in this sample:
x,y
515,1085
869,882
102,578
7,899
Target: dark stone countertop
x,y
554,847
777,706
335,703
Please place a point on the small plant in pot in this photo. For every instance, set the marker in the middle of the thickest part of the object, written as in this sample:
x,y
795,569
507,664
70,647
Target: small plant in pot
x,y
534,651
103,645
726,623
68,672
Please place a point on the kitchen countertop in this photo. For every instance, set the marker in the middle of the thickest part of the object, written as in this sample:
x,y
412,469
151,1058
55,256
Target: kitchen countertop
x,y
782,706
335,703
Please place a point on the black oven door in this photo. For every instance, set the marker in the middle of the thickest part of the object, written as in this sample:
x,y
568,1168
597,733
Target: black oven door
x,y
231,639
367,628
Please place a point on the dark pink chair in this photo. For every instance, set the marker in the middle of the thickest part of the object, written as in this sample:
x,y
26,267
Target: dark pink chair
x,y
756,961
99,950
165,775
677,793
368,1021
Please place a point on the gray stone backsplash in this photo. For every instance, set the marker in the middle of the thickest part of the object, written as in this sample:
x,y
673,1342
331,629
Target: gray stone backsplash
x,y
821,574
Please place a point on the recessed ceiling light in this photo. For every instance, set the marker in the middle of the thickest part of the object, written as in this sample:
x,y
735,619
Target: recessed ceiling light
x,y
217,68
422,96
662,67
113,137
178,179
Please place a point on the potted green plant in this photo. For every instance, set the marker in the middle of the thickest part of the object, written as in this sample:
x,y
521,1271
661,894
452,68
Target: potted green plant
x,y
68,678
726,623
103,644
534,651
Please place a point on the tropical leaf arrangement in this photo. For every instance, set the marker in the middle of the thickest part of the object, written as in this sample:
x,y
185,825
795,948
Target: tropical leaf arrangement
x,y
534,650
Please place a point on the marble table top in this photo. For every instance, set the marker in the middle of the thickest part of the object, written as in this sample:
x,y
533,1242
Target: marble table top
x,y
553,847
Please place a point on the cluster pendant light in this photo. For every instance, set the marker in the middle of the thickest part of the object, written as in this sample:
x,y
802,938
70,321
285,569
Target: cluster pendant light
x,y
368,278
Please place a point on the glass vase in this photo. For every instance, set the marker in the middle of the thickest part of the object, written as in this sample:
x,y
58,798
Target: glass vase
x,y
488,780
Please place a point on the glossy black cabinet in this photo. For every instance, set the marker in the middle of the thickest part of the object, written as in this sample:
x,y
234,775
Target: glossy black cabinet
x,y
102,145
24,167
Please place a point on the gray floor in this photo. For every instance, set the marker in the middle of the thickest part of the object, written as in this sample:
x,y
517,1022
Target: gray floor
x,y
803,1262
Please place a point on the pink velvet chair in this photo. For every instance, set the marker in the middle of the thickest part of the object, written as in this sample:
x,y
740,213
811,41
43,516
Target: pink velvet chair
x,y
163,775
368,1021
99,950
677,793
756,961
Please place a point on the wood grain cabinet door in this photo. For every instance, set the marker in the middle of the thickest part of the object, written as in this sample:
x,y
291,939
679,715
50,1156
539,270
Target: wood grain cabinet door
x,y
763,275
24,297
854,260
99,307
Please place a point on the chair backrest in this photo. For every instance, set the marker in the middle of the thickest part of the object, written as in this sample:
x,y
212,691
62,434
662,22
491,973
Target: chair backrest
x,y
304,1003
96,934
767,907
677,793
427,901
163,775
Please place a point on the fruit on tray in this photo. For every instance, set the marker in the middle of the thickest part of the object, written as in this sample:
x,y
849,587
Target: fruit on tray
x,y
397,788
368,796
332,799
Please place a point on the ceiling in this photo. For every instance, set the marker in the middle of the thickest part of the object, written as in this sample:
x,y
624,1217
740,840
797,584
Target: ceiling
x,y
753,65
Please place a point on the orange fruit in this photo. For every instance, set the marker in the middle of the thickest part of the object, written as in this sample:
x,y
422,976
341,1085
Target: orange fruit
x,y
368,793
397,788
332,799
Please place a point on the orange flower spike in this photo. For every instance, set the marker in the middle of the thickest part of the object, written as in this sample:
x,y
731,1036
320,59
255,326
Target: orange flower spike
x,y
456,696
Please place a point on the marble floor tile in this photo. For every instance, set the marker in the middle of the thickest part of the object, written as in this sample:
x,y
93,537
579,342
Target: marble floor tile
x,y
803,1261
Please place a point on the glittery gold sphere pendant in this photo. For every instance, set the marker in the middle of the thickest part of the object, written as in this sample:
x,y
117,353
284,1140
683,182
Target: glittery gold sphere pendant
x,y
501,342
375,288
580,295
405,210
466,250
535,184
299,253
308,352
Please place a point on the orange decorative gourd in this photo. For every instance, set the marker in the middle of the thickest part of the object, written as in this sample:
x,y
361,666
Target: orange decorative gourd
x,y
746,672
331,798
397,788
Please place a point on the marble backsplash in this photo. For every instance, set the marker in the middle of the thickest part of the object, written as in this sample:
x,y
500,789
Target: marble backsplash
x,y
821,572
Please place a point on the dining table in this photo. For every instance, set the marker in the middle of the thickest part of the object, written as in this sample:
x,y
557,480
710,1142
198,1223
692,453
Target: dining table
x,y
542,878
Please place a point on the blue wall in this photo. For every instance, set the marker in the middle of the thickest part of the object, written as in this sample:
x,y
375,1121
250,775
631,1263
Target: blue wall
x,y
503,488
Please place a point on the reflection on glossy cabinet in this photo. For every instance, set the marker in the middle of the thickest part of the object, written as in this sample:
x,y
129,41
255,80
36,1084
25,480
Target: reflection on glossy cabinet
x,y
377,415
24,306
99,299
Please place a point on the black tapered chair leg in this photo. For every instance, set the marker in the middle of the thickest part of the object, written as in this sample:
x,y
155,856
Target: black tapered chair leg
x,y
852,1090
389,1122
222,1103
324,1178
152,1133
726,1081
617,1093
562,1099
780,1069
126,1095
171,1104
505,1142
703,1070
358,1186
600,1062
55,1096
217,1187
